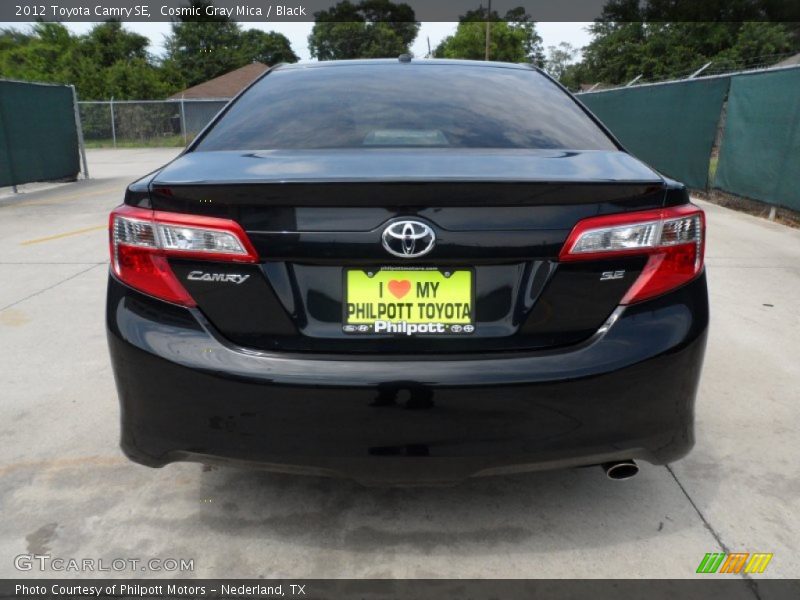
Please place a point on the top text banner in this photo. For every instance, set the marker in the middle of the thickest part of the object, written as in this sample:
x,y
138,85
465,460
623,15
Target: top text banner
x,y
26,11
267,10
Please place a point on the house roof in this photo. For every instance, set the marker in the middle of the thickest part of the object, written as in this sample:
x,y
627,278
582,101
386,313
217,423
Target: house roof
x,y
224,86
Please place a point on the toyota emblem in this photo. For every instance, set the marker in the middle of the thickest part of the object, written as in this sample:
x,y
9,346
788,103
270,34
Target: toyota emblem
x,y
408,239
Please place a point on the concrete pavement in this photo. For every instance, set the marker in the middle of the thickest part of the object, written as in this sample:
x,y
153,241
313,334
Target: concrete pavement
x,y
66,489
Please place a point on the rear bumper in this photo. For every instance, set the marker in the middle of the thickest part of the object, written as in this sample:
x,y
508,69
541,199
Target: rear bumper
x,y
186,394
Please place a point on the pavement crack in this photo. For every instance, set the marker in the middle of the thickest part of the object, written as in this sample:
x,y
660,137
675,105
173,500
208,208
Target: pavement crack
x,y
751,583
50,287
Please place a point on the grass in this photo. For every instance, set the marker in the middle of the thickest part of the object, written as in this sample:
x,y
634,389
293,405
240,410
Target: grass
x,y
712,169
167,141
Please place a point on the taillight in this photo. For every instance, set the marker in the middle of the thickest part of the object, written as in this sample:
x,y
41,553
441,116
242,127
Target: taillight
x,y
142,240
673,238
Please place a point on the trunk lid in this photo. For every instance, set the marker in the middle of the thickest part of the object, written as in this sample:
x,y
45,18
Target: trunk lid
x,y
502,215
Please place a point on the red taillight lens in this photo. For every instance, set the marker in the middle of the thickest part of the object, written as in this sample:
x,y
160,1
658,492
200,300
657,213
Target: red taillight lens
x,y
673,238
142,240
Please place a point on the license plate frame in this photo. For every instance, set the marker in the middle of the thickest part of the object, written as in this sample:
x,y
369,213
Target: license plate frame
x,y
451,313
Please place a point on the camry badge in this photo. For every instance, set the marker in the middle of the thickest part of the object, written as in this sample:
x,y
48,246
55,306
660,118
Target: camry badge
x,y
218,277
408,239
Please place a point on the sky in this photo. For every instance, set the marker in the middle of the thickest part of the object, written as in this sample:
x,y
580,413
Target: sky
x,y
552,33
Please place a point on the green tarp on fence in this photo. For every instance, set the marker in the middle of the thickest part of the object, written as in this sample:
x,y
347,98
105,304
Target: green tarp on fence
x,y
38,137
760,153
671,126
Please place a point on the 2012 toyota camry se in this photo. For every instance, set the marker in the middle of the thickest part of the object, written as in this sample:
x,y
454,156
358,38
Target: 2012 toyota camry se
x,y
407,272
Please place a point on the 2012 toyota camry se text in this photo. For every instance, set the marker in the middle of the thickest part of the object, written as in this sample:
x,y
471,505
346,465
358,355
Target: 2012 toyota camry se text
x,y
407,272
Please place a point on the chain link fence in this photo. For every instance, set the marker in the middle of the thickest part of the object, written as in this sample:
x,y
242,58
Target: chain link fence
x,y
145,123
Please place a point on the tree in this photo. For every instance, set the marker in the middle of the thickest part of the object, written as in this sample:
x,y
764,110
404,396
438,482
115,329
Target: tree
x,y
269,48
532,41
621,51
113,62
559,58
12,38
370,29
512,38
612,55
757,44
107,61
108,43
662,39
203,47
207,46
41,55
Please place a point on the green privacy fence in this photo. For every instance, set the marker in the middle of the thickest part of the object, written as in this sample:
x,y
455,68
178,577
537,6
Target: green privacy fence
x,y
673,126
669,126
760,152
38,134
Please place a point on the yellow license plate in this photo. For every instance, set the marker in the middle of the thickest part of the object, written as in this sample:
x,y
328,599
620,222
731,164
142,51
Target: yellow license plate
x,y
409,301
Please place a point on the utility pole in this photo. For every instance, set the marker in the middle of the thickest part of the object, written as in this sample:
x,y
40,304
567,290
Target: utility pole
x,y
488,29
430,55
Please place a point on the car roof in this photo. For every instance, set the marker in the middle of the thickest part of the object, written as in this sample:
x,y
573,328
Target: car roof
x,y
396,61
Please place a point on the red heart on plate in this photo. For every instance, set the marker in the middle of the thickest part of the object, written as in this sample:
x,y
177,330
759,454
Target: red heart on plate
x,y
399,288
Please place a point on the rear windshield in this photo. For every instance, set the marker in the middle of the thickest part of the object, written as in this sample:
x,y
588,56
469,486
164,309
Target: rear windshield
x,y
404,105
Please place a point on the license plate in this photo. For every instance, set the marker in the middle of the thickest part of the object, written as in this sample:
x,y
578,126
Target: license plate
x,y
409,301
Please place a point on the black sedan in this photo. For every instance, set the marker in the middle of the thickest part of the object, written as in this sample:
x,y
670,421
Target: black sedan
x,y
407,272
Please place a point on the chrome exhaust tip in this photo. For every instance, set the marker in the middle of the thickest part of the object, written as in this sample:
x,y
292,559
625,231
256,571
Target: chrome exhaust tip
x,y
623,469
